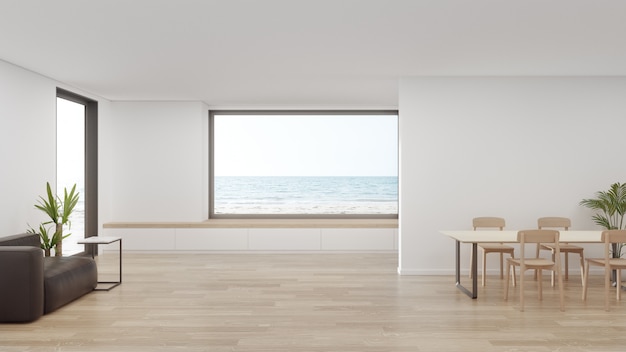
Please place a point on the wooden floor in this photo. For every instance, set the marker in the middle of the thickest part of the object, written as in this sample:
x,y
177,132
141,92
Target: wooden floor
x,y
311,302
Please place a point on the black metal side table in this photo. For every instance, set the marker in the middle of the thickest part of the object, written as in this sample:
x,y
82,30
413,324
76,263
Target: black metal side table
x,y
105,240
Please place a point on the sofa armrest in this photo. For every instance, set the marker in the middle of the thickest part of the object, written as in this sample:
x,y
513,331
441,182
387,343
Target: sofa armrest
x,y
21,283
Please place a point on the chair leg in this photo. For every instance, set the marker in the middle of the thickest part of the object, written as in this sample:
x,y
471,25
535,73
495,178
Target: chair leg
x,y
607,287
537,256
521,290
508,276
484,273
513,269
539,284
471,260
585,281
501,265
561,292
618,282
552,273
566,266
582,271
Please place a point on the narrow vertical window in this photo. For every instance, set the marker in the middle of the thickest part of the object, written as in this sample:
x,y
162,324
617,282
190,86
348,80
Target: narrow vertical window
x,y
71,165
77,163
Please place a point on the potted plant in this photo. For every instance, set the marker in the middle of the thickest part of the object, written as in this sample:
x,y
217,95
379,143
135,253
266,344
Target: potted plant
x,y
611,208
611,205
59,211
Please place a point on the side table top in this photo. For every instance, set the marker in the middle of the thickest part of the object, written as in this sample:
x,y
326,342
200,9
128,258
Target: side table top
x,y
98,240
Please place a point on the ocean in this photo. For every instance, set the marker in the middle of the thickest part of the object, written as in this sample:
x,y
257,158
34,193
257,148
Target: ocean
x,y
306,195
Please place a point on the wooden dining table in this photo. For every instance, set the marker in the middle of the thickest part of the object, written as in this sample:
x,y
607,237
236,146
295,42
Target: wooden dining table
x,y
508,236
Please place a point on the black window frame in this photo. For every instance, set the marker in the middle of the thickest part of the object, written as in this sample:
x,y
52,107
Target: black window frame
x,y
91,164
212,214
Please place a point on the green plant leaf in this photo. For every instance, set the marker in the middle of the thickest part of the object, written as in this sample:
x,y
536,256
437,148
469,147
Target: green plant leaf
x,y
611,206
50,206
69,203
610,209
59,211
46,241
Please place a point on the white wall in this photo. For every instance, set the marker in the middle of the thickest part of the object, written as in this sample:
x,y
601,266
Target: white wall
x,y
514,147
157,155
27,139
28,143
519,148
153,166
156,161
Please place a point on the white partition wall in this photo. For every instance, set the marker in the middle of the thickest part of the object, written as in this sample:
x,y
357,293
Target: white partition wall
x,y
158,160
157,171
514,147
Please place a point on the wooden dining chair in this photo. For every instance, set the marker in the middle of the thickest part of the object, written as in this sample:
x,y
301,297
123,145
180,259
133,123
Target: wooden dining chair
x,y
538,264
566,248
486,248
609,238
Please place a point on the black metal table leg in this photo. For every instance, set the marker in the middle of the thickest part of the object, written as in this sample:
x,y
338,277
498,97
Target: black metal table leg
x,y
474,268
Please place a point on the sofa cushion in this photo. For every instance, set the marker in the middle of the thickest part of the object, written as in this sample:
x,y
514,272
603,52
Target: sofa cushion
x,y
66,279
21,284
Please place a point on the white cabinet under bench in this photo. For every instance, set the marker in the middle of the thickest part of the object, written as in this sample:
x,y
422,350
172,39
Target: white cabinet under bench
x,y
269,235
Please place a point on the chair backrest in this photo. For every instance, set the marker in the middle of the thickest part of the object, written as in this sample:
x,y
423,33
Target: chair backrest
x,y
612,236
488,222
554,221
538,236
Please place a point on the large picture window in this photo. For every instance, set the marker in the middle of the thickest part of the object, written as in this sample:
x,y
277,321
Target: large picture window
x,y
282,164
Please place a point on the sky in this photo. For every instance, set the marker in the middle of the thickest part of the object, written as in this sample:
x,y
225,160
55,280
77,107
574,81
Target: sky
x,y
306,145
70,144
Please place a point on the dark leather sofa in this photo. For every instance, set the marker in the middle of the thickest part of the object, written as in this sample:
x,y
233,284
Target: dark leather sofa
x,y
32,285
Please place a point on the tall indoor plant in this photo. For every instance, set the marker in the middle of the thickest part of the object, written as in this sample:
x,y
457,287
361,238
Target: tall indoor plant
x,y
59,211
610,209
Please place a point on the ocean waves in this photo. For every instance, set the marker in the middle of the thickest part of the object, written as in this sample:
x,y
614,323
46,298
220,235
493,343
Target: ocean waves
x,y
306,195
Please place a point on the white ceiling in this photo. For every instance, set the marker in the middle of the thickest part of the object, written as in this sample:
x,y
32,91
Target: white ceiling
x,y
329,53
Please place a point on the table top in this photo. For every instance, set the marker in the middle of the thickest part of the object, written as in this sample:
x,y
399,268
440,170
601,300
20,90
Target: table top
x,y
98,240
508,236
